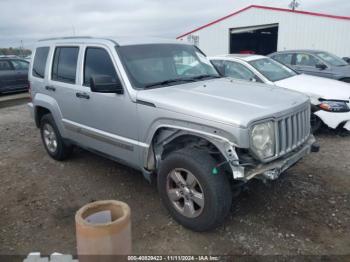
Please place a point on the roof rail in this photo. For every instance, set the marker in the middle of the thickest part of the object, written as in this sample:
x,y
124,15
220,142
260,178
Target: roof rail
x,y
65,37
76,37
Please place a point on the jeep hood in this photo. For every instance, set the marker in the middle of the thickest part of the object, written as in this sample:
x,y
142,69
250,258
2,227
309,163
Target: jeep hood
x,y
317,86
225,100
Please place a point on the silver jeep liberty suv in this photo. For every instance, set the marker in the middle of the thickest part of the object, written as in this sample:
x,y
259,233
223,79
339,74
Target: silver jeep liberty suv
x,y
161,107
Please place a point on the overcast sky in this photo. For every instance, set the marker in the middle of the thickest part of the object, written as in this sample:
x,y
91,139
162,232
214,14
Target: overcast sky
x,y
29,20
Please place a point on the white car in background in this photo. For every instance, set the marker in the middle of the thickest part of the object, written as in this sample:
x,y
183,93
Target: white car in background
x,y
329,98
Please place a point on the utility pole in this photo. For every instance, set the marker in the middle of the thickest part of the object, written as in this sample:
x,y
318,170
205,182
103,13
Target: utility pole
x,y
294,4
21,49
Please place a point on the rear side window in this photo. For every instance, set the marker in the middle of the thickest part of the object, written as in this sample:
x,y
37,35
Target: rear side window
x,y
64,65
5,65
284,58
98,62
40,61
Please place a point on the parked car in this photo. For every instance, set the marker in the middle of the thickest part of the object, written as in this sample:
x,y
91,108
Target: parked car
x,y
28,58
13,75
9,56
193,131
329,98
317,63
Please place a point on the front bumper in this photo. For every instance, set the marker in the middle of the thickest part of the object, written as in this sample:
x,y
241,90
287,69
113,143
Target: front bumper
x,y
273,169
333,120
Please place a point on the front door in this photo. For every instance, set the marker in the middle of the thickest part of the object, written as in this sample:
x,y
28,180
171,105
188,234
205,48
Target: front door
x,y
21,71
307,64
107,120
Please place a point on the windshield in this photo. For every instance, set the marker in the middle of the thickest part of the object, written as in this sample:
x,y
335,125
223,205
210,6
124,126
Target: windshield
x,y
156,65
272,70
331,59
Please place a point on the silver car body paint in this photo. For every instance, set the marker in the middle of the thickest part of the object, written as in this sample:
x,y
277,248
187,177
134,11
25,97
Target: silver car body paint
x,y
123,126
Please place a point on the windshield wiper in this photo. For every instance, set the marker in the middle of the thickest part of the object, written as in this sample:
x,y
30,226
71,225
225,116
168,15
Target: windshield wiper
x,y
200,77
169,81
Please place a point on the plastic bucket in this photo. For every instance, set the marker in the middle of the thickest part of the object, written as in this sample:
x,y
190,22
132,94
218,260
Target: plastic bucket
x,y
103,228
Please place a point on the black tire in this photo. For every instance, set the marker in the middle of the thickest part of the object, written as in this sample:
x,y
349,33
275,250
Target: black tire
x,y
216,188
316,123
63,150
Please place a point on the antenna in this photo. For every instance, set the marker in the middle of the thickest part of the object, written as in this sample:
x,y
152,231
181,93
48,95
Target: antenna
x,y
293,5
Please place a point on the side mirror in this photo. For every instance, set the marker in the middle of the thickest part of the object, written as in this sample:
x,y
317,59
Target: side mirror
x,y
347,59
253,79
321,66
105,84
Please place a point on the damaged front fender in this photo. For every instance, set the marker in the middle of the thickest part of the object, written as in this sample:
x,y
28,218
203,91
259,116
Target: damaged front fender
x,y
168,135
333,120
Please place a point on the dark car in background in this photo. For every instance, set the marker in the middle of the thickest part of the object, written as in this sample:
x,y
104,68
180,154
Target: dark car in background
x,y
317,63
13,75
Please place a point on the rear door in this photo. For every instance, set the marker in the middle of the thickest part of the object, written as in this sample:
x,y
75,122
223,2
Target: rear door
x,y
62,85
7,76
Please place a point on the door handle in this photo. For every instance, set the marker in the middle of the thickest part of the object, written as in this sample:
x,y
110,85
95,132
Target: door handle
x,y
50,88
82,95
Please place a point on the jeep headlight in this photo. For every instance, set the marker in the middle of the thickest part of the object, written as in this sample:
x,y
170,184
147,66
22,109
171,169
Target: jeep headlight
x,y
263,140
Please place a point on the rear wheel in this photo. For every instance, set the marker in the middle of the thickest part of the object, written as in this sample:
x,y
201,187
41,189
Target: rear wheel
x,y
196,197
52,140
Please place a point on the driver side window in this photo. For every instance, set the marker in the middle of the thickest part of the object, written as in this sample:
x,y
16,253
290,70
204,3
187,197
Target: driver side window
x,y
306,60
98,62
20,65
239,71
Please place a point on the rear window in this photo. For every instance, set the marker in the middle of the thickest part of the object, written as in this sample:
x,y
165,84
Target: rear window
x,y
40,62
64,65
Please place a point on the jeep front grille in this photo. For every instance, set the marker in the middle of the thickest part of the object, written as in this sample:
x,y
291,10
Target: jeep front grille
x,y
292,131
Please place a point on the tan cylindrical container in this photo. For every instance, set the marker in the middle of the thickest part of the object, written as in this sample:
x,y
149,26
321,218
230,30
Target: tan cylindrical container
x,y
103,228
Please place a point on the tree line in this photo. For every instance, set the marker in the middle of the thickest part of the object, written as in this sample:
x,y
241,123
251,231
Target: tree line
x,y
15,51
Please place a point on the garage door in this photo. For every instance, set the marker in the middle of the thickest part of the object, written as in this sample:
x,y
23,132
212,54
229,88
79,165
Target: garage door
x,y
260,39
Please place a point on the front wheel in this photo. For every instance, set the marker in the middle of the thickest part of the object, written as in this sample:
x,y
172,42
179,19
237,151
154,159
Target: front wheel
x,y
316,123
195,196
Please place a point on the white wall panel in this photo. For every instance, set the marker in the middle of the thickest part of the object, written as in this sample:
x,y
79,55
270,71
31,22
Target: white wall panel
x,y
296,31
